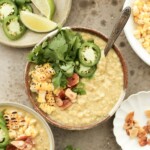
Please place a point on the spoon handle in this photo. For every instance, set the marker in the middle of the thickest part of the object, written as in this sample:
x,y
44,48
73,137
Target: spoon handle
x,y
117,29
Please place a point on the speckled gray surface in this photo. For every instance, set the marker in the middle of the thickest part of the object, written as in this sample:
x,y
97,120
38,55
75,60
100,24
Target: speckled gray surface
x,y
97,14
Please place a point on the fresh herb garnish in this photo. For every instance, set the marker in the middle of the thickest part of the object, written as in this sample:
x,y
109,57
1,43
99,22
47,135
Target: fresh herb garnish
x,y
79,89
69,147
62,52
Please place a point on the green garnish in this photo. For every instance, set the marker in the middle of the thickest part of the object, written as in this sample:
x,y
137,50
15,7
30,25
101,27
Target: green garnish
x,y
62,52
69,147
4,135
63,47
79,89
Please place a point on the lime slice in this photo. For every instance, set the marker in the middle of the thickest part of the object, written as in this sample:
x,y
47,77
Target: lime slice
x,y
36,22
46,7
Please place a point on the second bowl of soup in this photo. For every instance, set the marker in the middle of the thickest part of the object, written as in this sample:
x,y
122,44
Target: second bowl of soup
x,y
21,128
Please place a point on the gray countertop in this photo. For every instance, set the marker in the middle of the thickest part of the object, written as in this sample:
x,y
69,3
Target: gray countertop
x,y
97,14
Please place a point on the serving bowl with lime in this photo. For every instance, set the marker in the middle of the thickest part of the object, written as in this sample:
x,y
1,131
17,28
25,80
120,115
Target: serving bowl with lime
x,y
26,21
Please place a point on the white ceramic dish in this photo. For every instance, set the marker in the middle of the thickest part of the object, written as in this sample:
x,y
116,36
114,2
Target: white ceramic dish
x,y
135,44
138,103
37,116
31,38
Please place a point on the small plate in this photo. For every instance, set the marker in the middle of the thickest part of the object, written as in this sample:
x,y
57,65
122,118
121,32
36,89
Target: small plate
x,y
135,43
138,103
31,38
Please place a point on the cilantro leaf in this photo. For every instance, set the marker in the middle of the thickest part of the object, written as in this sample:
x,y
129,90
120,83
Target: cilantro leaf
x,y
56,42
36,56
69,147
60,52
79,89
57,80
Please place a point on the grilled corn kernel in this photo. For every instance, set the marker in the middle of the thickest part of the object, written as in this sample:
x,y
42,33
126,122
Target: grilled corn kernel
x,y
141,14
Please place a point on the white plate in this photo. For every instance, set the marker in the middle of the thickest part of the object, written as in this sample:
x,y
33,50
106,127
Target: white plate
x,y
135,44
138,103
31,38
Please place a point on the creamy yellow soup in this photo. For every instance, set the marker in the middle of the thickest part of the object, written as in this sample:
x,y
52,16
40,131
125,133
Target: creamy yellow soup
x,y
102,92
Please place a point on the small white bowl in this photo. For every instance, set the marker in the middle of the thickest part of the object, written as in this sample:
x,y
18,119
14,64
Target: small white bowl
x,y
138,103
135,43
37,117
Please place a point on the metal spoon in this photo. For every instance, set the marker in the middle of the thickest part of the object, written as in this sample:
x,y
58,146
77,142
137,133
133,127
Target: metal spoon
x,y
117,29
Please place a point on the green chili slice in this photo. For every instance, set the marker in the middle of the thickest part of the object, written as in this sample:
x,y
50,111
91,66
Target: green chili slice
x,y
85,71
13,27
7,8
89,54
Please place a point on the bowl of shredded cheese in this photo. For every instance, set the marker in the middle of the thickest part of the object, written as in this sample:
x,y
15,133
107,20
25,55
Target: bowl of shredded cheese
x,y
137,29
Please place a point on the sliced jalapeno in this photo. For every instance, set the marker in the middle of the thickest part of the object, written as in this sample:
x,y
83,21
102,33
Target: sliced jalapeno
x,y
89,54
20,2
2,120
85,71
25,7
28,1
7,8
13,27
4,136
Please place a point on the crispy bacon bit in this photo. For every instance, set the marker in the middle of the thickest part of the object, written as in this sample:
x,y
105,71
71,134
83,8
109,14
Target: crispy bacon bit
x,y
146,129
134,130
18,144
74,80
22,138
143,141
71,95
66,103
62,95
141,133
23,143
148,141
11,147
129,118
59,102
30,141
147,113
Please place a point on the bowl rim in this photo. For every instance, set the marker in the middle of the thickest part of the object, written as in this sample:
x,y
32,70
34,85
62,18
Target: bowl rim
x,y
113,110
135,43
37,116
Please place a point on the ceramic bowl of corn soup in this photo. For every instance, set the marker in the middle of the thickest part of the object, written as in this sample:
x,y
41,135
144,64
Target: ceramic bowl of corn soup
x,y
71,83
21,128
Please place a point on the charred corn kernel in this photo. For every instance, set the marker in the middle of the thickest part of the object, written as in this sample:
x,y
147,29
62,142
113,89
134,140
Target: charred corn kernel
x,y
41,96
46,86
141,14
27,120
47,108
33,121
31,131
21,131
56,91
12,134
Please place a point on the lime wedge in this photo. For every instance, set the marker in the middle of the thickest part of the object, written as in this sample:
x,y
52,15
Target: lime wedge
x,y
46,7
36,22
